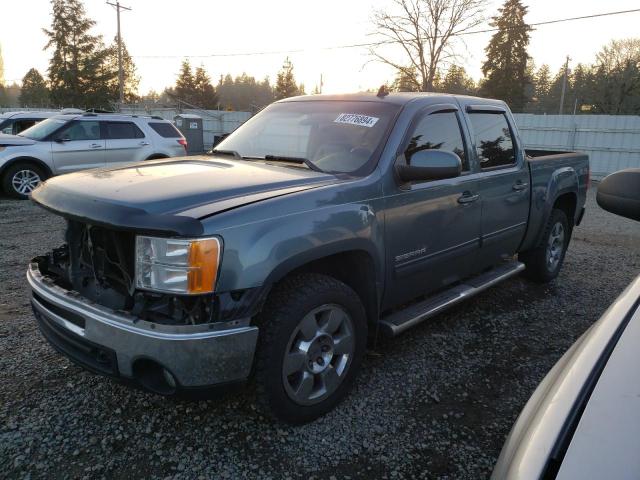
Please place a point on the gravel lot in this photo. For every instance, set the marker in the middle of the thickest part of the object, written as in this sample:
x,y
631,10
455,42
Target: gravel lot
x,y
436,402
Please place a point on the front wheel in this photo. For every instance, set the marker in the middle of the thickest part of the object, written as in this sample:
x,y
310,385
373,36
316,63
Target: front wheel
x,y
544,262
312,340
21,179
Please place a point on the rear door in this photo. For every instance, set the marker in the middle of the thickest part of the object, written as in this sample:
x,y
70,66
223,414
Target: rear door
x,y
503,183
432,227
78,146
125,143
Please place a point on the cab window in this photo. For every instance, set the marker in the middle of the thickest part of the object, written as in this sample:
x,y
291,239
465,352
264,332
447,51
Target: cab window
x,y
494,144
438,131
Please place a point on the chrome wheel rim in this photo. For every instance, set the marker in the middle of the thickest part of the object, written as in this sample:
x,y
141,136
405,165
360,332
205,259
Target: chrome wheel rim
x,y
318,355
555,246
25,181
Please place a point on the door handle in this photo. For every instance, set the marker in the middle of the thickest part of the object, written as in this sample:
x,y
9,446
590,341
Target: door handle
x,y
144,144
95,145
467,198
520,186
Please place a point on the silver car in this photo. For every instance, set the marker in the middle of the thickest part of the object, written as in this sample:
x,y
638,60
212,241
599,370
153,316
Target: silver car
x,y
66,143
583,420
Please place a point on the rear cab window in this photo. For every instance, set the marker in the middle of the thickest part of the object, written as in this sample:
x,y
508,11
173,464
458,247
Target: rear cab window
x,y
165,129
493,140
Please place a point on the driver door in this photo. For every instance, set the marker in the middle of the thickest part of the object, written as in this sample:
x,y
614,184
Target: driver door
x,y
78,146
433,227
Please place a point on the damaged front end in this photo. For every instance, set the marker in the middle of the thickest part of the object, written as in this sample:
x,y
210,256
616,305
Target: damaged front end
x,y
99,264
88,307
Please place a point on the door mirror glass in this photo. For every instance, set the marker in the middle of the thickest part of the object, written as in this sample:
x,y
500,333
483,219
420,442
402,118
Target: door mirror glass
x,y
430,165
619,193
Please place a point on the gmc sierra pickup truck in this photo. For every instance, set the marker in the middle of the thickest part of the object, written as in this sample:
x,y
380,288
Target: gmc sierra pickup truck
x,y
319,223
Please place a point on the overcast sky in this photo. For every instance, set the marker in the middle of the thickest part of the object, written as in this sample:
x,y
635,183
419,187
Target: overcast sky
x,y
159,33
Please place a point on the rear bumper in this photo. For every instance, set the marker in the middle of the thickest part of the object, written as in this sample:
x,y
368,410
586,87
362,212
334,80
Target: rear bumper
x,y
116,344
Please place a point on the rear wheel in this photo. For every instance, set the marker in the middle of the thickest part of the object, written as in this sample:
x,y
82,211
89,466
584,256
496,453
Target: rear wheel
x,y
21,179
312,340
544,262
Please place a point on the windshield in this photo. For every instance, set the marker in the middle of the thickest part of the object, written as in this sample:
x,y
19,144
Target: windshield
x,y
332,136
41,130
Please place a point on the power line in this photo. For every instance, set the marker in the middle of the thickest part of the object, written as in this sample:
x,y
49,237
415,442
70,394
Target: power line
x,y
384,42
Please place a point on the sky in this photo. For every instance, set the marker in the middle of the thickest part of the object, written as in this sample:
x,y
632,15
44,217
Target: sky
x,y
160,33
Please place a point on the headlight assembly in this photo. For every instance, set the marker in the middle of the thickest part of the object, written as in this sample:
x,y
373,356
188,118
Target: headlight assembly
x,y
176,265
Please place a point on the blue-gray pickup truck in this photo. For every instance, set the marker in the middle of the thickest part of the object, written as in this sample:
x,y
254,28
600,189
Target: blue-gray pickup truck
x,y
318,224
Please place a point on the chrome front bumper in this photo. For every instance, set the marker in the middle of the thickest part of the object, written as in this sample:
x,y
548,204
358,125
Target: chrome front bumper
x,y
111,342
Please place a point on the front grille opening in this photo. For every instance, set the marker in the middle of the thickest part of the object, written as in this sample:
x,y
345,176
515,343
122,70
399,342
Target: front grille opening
x,y
99,264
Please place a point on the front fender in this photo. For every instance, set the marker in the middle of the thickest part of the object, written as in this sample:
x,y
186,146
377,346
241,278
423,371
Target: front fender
x,y
261,253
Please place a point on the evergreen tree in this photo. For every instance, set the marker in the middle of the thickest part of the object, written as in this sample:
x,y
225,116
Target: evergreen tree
x,y
35,92
76,69
506,63
131,79
185,84
617,78
542,80
205,95
244,93
286,83
457,81
405,81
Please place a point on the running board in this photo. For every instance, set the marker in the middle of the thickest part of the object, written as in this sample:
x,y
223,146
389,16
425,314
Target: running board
x,y
397,322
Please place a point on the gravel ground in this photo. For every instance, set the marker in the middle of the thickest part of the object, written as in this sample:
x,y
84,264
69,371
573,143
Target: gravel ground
x,y
436,402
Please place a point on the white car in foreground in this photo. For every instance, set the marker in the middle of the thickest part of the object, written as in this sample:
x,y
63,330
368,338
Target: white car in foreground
x,y
583,420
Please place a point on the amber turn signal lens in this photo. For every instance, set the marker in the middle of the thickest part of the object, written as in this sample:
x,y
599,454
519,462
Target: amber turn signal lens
x,y
204,256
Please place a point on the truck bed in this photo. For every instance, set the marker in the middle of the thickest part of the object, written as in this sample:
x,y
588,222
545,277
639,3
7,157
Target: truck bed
x,y
552,173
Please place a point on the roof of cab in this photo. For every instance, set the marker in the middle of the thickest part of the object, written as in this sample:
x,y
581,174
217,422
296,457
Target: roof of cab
x,y
397,98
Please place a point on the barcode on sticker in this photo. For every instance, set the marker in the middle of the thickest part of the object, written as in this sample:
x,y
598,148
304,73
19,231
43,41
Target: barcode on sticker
x,y
356,119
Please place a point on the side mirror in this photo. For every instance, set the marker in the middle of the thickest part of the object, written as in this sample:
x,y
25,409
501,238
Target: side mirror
x,y
619,193
63,139
430,165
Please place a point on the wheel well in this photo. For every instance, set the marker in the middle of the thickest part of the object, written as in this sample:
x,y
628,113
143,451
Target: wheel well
x,y
27,160
567,202
157,156
354,268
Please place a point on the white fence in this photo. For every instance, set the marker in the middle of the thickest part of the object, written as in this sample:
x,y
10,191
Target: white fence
x,y
612,141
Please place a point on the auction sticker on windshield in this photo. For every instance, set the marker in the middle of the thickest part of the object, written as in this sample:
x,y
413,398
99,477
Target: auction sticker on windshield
x,y
356,119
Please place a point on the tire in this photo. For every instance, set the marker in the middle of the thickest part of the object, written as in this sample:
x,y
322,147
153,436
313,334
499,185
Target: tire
x,y
545,261
319,324
20,179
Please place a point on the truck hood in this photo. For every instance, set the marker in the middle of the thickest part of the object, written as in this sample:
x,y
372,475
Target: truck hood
x,y
171,195
14,140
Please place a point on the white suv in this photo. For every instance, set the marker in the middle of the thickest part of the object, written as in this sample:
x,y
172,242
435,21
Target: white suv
x,y
66,143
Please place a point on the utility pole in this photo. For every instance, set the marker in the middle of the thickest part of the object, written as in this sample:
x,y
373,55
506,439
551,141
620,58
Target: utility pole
x,y
119,7
564,84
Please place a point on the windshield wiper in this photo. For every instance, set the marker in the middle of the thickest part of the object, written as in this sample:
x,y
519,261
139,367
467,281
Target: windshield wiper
x,y
231,153
298,160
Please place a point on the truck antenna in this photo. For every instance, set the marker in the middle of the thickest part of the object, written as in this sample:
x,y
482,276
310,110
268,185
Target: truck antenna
x,y
382,91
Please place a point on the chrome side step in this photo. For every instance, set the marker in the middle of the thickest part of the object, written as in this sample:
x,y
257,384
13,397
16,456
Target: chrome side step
x,y
397,322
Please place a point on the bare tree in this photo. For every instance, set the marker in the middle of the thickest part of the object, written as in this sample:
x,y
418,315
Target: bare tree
x,y
424,30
